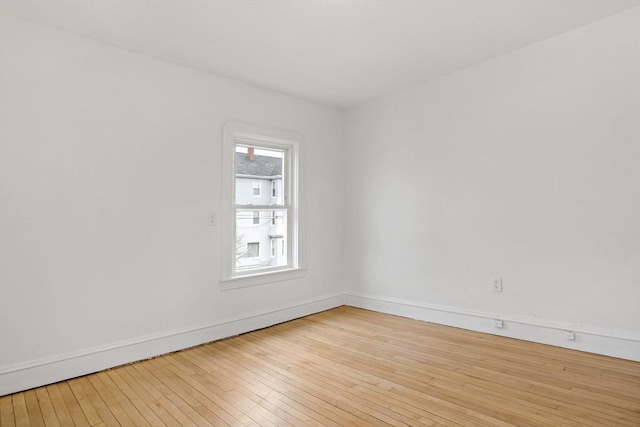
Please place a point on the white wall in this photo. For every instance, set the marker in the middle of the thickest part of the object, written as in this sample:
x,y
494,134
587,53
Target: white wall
x,y
110,164
525,166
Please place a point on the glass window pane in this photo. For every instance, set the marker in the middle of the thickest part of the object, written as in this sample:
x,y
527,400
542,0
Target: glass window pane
x,y
256,243
257,171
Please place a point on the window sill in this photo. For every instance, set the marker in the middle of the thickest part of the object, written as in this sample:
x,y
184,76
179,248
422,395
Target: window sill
x,y
262,278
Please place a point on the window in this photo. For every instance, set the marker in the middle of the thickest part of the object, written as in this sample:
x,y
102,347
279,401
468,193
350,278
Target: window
x,y
253,156
253,250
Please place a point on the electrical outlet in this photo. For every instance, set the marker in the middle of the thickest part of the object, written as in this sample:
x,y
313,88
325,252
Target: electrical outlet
x,y
570,335
496,284
499,324
212,219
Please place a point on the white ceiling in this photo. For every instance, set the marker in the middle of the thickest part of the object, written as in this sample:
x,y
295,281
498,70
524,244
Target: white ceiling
x,y
340,53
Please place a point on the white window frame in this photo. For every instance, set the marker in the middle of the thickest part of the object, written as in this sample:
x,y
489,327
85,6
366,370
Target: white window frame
x,y
293,197
273,188
257,187
274,243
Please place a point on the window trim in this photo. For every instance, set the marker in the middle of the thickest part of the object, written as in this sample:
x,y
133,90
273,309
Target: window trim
x,y
237,132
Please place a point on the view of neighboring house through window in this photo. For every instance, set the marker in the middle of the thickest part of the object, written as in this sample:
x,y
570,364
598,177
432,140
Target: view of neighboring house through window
x,y
261,217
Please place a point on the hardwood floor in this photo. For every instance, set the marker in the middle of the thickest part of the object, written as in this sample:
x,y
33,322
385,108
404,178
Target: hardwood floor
x,y
346,367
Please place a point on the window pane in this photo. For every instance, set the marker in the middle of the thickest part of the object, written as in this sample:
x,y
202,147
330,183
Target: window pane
x,y
256,243
257,169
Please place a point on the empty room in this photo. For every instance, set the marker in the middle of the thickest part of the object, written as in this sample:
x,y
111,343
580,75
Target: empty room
x,y
321,212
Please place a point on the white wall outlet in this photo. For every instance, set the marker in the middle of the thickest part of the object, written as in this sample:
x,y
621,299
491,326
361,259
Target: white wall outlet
x,y
570,335
496,284
212,219
499,324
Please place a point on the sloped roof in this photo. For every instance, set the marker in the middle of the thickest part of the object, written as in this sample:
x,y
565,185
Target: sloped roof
x,y
260,166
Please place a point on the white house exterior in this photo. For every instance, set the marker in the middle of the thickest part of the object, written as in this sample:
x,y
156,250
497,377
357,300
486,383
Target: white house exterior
x,y
260,232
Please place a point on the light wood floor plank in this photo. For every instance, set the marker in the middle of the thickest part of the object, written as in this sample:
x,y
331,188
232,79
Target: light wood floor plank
x,y
89,411
370,411
201,380
7,417
111,402
209,409
269,377
154,404
433,367
84,386
33,409
186,406
148,383
205,405
368,386
254,391
125,403
141,406
249,401
400,383
343,388
20,410
453,384
316,408
250,381
48,413
346,367
72,405
59,406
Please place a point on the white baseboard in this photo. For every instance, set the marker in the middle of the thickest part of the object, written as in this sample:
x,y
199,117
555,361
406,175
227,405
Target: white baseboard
x,y
36,373
23,376
620,344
